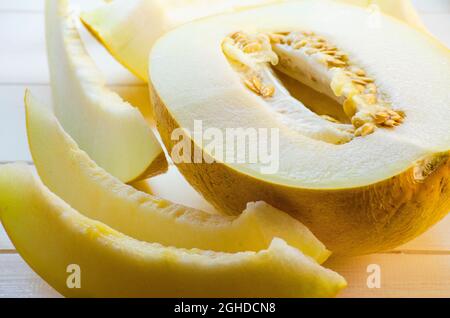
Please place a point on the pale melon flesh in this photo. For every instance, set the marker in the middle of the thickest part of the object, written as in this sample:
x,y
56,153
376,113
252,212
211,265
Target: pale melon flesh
x,y
129,28
110,130
361,186
55,239
102,197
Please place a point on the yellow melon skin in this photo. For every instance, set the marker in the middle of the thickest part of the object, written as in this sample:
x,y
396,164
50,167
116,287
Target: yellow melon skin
x,y
51,237
349,222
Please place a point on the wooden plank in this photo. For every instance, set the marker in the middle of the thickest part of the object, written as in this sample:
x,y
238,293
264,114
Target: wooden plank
x,y
18,280
436,239
401,275
22,5
5,243
13,136
23,58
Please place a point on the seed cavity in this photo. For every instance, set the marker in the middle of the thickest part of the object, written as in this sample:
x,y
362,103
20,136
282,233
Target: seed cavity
x,y
312,60
255,69
251,52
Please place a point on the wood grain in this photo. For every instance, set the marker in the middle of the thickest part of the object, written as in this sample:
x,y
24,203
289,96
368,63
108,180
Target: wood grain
x,y
23,58
18,280
437,239
5,243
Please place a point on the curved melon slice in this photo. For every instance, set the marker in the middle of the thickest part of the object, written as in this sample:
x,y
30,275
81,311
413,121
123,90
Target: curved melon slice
x,y
128,29
50,236
111,131
364,185
102,197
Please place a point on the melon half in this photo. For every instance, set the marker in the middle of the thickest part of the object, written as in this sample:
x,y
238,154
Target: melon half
x,y
369,170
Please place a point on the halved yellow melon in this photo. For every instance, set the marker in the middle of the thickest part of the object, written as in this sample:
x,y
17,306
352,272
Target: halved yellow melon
x,y
370,181
100,196
111,131
129,28
52,237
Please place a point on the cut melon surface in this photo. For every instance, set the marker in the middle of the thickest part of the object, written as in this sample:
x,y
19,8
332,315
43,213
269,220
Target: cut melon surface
x,y
111,131
100,196
362,185
129,28
52,237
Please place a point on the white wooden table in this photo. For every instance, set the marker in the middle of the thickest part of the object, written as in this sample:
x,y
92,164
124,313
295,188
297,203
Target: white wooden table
x,y
419,269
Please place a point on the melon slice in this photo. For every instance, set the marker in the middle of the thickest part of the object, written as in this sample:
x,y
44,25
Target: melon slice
x,y
51,236
129,28
369,182
100,196
111,131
